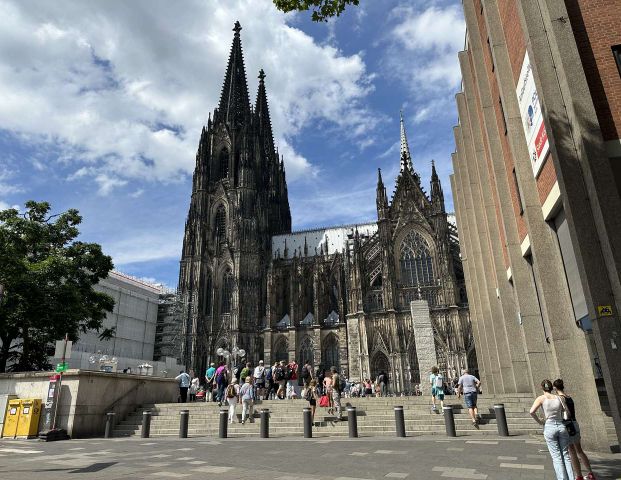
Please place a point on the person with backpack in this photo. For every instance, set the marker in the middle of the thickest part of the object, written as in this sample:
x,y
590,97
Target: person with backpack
x,y
232,394
280,378
210,378
269,383
437,388
307,374
292,379
312,397
222,380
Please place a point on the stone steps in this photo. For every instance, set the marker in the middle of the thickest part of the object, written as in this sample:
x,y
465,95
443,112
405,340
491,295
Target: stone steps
x,y
375,416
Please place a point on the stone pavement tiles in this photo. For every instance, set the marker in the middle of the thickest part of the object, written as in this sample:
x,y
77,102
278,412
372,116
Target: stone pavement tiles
x,y
286,459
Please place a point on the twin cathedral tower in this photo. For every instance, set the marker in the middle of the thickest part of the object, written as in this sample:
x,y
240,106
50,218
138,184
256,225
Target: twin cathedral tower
x,y
332,296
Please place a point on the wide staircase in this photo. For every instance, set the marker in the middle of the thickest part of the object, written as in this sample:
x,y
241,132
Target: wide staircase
x,y
375,417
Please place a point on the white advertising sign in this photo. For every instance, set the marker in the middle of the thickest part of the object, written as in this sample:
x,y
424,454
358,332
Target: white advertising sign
x,y
532,120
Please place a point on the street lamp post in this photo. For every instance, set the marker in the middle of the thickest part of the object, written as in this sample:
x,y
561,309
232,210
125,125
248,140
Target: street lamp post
x,y
231,356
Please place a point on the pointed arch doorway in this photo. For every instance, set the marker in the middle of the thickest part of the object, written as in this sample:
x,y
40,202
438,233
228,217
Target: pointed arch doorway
x,y
379,363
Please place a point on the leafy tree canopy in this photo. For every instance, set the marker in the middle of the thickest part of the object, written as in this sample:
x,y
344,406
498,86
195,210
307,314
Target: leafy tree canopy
x,y
47,279
322,9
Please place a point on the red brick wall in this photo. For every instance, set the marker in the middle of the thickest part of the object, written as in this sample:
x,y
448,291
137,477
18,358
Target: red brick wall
x,y
546,180
507,155
597,27
513,35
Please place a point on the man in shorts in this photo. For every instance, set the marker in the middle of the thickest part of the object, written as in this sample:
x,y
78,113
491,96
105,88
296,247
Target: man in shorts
x,y
259,379
468,385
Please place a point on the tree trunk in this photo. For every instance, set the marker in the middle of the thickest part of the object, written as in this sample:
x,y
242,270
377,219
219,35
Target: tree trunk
x,y
4,352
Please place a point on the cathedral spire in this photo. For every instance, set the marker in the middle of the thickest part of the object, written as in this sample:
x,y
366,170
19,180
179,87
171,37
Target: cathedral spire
x,y
437,196
381,197
234,106
406,158
262,115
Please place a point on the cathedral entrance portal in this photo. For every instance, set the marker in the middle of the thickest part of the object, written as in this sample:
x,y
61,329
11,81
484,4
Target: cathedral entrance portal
x,y
379,363
281,350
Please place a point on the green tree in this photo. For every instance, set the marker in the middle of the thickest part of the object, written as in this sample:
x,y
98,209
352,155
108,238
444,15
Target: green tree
x,y
47,280
322,9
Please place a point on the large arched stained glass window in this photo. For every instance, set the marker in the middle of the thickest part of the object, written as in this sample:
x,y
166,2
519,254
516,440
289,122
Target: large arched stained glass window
x,y
416,261
227,292
330,352
220,224
223,164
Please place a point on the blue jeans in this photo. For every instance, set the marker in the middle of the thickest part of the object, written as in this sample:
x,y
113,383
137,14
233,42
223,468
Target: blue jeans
x,y
557,439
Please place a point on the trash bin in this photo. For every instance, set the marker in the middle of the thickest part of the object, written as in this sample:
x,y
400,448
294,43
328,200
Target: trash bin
x,y
28,421
13,411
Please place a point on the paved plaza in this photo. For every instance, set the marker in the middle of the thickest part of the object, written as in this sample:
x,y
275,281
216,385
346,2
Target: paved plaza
x,y
286,459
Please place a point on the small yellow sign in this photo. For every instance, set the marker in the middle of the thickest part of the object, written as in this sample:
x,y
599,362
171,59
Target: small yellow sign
x,y
604,310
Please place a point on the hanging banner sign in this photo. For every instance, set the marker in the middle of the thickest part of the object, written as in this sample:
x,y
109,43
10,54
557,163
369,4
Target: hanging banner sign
x,y
532,119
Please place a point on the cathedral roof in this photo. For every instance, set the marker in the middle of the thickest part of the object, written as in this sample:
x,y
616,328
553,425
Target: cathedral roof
x,y
318,239
406,158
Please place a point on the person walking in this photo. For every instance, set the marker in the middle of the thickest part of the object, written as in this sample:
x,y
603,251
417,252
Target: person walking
x,y
312,397
307,374
210,376
193,390
437,388
269,383
554,430
576,453
327,391
259,380
222,380
468,385
337,385
245,393
280,378
382,381
292,379
232,395
184,384
246,372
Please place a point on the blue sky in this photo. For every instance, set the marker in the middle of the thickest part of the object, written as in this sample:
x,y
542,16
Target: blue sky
x,y
102,102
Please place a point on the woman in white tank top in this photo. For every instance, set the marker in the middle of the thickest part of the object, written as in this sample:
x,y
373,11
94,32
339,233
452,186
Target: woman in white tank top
x,y
554,430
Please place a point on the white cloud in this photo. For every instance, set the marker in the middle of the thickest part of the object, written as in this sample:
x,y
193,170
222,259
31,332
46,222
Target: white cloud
x,y
431,38
142,246
123,88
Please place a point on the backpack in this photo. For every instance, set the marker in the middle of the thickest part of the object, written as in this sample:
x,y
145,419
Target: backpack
x,y
288,373
230,391
268,373
438,382
306,374
279,374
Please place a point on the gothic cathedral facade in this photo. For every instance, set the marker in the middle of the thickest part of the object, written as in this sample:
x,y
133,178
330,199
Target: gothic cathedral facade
x,y
337,296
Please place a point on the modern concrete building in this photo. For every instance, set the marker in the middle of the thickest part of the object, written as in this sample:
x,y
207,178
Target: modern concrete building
x,y
134,319
537,176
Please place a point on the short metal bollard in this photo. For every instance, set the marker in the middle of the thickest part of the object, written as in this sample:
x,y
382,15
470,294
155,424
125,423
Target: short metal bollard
x,y
183,423
223,428
501,420
400,421
308,423
449,421
352,422
265,423
109,424
146,424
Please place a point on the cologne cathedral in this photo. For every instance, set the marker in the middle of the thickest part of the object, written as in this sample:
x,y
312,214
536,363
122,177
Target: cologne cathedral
x,y
337,296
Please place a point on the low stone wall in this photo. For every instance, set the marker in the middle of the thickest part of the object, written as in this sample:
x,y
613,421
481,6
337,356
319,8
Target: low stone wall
x,y
88,395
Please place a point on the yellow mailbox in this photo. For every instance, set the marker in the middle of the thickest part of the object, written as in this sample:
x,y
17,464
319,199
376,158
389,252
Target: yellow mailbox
x,y
13,411
28,421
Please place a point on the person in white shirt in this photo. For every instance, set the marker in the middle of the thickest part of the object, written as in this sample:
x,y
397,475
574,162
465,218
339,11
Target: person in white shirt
x,y
184,383
259,379
232,393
